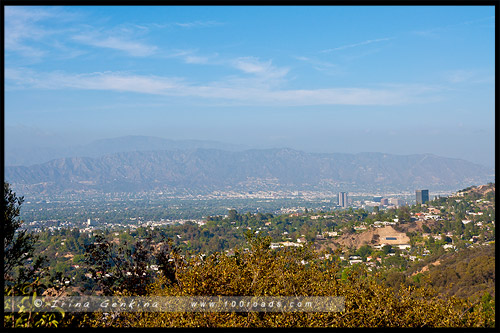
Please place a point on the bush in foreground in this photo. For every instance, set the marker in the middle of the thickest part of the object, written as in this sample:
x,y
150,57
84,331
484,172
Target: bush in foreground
x,y
295,272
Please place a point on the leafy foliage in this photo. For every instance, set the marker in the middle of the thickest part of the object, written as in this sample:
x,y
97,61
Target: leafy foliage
x,y
466,274
21,278
129,267
18,244
296,271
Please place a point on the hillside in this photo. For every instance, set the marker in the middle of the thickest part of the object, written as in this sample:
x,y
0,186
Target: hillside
x,y
372,237
467,273
480,190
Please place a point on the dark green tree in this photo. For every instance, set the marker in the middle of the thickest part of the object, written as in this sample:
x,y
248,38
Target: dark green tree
x,y
364,251
387,248
404,214
18,244
22,272
233,215
128,266
425,228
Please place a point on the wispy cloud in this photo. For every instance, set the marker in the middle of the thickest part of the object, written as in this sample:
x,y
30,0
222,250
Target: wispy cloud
x,y
196,24
22,29
133,48
435,31
216,91
192,57
111,81
192,24
319,65
469,76
264,70
26,33
254,73
366,42
459,76
40,32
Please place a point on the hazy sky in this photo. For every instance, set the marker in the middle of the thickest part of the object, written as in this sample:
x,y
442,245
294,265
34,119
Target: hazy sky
x,y
399,80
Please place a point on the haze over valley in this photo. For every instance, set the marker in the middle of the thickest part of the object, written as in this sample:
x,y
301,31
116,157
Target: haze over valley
x,y
148,164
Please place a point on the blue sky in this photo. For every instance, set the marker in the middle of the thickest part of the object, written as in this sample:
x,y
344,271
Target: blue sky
x,y
401,80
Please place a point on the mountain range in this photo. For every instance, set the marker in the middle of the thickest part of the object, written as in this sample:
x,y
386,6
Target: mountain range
x,y
26,155
203,170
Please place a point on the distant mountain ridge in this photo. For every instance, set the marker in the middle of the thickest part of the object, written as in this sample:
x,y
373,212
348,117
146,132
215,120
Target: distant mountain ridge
x,y
31,155
205,170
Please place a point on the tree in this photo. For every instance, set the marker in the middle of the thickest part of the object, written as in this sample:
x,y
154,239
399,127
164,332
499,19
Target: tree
x,y
404,214
425,228
387,248
18,244
21,278
232,215
447,239
128,266
364,251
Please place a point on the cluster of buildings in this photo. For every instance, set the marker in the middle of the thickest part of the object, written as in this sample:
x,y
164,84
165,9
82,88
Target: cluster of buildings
x,y
422,196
